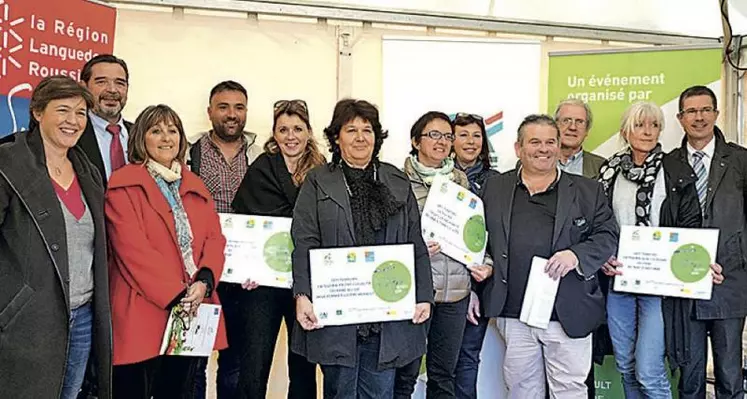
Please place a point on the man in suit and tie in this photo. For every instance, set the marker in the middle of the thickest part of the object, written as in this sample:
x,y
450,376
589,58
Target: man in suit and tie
x,y
105,139
539,210
721,172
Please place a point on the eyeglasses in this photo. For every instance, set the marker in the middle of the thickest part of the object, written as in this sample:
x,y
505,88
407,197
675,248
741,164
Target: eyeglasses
x,y
466,115
692,112
568,121
282,104
436,135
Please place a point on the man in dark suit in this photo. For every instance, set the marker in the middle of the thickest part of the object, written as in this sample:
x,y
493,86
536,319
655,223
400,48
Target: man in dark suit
x,y
105,139
538,210
721,172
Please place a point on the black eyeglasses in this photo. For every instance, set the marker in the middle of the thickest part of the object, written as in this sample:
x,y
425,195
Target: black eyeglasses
x,y
466,115
281,104
436,135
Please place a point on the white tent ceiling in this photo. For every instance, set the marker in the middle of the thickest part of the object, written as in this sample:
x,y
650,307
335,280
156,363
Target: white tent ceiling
x,y
687,17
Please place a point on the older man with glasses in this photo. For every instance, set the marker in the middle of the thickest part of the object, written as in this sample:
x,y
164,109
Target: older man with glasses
x,y
574,120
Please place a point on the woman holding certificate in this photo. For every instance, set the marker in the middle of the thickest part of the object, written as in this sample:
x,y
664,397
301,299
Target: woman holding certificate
x,y
356,200
645,188
54,289
166,251
432,136
270,188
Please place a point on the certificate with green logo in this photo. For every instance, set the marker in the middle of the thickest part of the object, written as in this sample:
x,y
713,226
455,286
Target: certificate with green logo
x,y
363,284
258,248
667,261
454,217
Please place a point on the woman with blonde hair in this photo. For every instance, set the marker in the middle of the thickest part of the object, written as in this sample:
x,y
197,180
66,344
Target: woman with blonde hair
x,y
645,187
270,188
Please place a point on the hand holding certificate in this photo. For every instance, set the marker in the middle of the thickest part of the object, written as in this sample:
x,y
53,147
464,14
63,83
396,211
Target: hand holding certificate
x,y
666,261
362,284
257,248
454,217
188,335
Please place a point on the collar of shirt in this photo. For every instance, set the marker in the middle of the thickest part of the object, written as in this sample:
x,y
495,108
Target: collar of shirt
x,y
100,124
520,181
242,149
573,158
709,149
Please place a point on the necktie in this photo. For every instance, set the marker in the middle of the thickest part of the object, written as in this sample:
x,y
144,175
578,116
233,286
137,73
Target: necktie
x,y
700,171
116,153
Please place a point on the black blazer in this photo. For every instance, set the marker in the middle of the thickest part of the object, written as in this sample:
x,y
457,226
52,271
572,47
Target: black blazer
x,y
35,283
584,223
90,147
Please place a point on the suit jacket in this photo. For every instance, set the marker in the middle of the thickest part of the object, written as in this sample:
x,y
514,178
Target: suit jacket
x,y
90,146
726,209
584,223
592,164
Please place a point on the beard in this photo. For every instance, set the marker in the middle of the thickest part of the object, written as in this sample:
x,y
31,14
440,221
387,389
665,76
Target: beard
x,y
109,112
223,133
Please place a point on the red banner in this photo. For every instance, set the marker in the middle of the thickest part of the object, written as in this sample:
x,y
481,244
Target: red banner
x,y
40,38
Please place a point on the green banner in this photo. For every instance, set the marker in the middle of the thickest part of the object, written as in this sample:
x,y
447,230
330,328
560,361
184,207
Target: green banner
x,y
608,384
610,81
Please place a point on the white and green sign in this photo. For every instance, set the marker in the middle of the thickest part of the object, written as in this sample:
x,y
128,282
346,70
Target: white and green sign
x,y
611,80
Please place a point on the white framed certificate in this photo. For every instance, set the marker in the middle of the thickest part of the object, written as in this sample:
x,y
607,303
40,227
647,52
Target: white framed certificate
x,y
257,248
191,335
356,285
664,261
455,218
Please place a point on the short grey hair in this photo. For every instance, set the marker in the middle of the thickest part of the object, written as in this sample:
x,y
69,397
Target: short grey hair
x,y
578,103
535,119
639,112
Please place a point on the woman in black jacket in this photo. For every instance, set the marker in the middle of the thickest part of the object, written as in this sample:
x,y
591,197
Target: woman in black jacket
x,y
646,188
270,188
472,156
54,289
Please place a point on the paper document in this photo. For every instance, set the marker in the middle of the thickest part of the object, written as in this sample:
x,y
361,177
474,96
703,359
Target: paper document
x,y
258,248
191,336
539,297
667,261
363,284
455,218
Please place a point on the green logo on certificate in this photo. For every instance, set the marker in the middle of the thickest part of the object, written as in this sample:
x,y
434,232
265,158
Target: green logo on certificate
x,y
391,281
690,263
474,233
277,252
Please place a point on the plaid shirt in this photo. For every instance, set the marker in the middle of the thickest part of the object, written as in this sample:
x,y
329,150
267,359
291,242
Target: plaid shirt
x,y
221,177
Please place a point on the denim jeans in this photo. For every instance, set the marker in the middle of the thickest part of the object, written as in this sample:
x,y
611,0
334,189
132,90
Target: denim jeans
x,y
364,381
469,359
637,330
79,347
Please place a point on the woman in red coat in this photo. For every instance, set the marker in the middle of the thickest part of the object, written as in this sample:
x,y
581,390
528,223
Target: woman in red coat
x,y
166,249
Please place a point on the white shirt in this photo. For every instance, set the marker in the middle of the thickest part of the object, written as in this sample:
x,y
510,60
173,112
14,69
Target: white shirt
x,y
709,150
104,138
623,199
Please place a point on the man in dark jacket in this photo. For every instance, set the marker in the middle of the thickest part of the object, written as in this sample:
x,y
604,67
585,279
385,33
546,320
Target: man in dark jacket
x,y
721,170
105,139
539,211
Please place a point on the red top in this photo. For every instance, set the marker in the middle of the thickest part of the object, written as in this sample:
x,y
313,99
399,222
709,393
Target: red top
x,y
146,269
72,197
